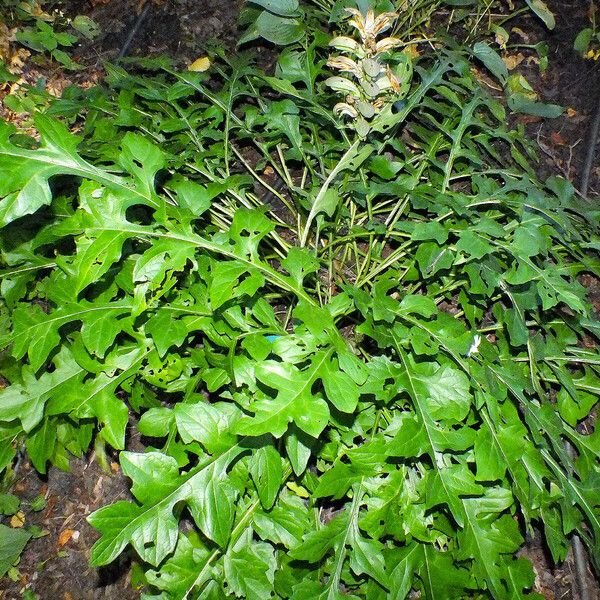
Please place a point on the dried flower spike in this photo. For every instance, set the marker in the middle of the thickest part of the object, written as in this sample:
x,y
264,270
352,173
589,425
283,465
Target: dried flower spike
x,y
370,26
368,83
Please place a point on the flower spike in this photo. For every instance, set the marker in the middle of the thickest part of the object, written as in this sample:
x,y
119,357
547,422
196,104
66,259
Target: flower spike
x,y
369,83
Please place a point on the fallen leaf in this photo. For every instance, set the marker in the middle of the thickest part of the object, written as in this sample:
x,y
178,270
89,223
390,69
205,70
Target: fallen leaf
x,y
557,139
571,112
4,37
412,51
19,58
97,491
200,64
18,520
64,536
522,34
513,60
526,119
593,54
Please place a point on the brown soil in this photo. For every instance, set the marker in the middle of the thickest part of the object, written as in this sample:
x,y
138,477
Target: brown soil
x,y
56,566
570,81
182,29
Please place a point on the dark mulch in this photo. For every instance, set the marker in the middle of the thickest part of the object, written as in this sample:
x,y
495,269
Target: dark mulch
x,y
570,81
56,566
182,29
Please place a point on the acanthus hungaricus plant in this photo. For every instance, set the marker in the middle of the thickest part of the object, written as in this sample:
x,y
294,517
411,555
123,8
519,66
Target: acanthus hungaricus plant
x,y
356,343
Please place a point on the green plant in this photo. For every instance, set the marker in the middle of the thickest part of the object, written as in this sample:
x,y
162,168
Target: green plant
x,y
45,37
12,543
12,539
520,96
588,39
285,22
356,355
42,37
48,33
493,16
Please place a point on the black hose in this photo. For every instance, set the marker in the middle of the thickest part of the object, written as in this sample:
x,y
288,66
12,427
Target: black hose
x,y
591,151
579,556
133,31
580,560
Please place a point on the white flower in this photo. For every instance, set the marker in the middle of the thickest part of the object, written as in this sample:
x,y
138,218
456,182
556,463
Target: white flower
x,y
370,26
387,44
475,345
371,83
343,108
343,63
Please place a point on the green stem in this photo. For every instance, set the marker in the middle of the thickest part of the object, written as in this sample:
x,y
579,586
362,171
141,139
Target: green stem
x,y
318,200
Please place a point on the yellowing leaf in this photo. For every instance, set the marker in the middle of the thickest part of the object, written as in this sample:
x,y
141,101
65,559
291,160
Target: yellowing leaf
x,y
522,34
298,490
64,537
593,54
501,37
18,520
200,64
517,84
